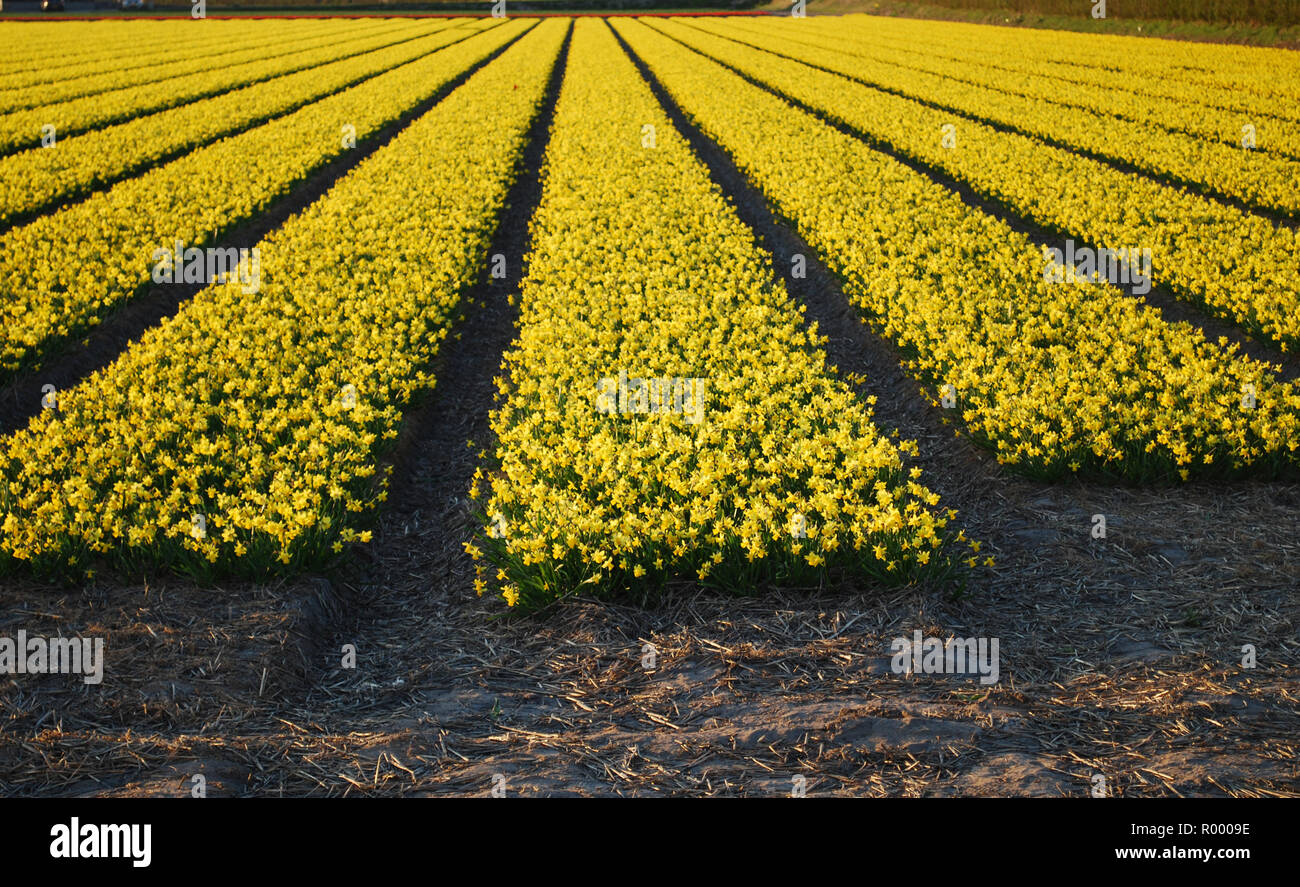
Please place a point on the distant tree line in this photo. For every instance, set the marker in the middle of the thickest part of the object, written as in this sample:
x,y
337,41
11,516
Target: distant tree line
x,y
469,5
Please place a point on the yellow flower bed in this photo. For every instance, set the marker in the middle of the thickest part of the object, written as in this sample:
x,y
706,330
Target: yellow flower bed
x,y
1051,110
1055,377
1203,89
32,180
640,272
40,51
1239,265
23,128
1150,81
60,274
274,41
243,434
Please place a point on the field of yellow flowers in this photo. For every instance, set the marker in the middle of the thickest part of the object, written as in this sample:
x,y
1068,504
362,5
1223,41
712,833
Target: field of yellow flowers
x,y
1058,378
244,430
665,412
35,179
765,466
1237,264
196,198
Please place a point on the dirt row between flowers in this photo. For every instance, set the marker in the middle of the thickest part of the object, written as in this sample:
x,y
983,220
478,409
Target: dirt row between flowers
x,y
1119,656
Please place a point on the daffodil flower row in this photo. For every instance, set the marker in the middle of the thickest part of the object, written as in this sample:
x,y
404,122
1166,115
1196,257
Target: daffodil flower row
x,y
61,273
1218,83
39,51
1236,264
1216,74
1055,377
25,128
645,292
274,41
36,179
1045,109
244,434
